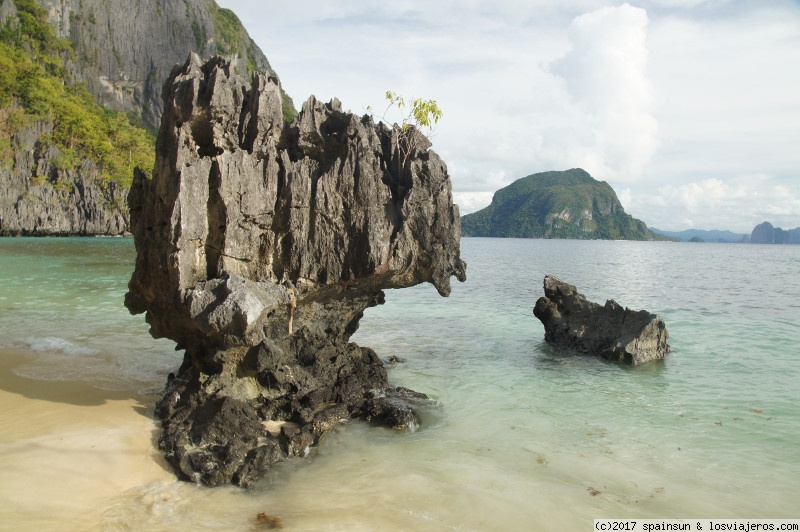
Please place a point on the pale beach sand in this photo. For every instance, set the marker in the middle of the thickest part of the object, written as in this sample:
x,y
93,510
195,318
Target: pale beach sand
x,y
67,450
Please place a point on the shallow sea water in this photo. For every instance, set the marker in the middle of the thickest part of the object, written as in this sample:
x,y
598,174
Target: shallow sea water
x,y
524,437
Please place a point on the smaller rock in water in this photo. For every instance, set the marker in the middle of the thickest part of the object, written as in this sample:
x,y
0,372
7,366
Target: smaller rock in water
x,y
615,333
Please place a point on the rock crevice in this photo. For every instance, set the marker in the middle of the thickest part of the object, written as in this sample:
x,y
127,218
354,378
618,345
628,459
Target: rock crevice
x,y
260,244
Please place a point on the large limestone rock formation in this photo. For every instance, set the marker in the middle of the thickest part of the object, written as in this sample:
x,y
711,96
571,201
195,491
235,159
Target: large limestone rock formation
x,y
573,323
259,246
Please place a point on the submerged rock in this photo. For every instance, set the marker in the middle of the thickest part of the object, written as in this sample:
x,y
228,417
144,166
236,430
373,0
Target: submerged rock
x,y
260,244
610,331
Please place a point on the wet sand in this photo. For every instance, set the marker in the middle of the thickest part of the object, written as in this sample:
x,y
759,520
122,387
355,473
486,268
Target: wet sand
x,y
68,450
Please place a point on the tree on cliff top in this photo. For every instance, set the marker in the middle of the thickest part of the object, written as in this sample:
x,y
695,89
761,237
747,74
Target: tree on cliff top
x,y
421,116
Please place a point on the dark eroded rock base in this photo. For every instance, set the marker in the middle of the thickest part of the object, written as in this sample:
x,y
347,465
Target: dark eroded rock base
x,y
233,420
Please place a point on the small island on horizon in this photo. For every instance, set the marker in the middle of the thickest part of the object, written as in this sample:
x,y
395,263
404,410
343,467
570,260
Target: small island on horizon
x,y
571,204
567,204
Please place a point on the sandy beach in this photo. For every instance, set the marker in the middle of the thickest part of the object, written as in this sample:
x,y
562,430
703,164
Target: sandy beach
x,y
67,450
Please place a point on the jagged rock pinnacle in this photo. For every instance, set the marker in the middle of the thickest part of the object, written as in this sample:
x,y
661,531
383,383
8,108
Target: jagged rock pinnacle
x,y
250,224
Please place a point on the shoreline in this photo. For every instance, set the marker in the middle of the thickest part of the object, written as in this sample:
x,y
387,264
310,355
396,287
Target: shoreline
x,y
68,450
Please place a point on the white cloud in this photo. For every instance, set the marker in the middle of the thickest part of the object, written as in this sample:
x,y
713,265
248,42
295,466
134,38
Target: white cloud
x,y
737,204
606,75
728,97
472,201
710,193
625,198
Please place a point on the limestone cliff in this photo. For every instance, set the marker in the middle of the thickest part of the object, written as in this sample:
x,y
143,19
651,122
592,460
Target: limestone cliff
x,y
259,246
766,233
123,51
126,49
44,189
31,205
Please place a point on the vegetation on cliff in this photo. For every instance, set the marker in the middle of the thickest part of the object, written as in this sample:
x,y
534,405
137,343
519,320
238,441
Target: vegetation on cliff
x,y
80,101
34,88
568,204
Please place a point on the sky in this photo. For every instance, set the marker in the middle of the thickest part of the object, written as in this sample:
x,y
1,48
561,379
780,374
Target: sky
x,y
689,109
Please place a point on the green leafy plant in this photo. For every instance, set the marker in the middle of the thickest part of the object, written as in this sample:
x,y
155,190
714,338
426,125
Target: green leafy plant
x,y
418,116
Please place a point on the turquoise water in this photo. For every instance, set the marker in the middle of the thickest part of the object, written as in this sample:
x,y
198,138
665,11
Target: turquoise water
x,y
525,438
62,299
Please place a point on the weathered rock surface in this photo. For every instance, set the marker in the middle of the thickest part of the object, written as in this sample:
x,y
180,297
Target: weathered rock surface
x,y
610,331
125,49
259,246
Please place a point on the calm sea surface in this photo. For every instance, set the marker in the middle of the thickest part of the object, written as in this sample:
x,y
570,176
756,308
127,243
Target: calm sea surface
x,y
524,438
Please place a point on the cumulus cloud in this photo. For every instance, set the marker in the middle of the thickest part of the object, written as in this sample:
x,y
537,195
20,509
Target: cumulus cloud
x,y
712,193
738,204
605,73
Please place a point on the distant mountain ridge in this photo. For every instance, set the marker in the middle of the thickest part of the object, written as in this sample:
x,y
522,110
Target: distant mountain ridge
x,y
763,233
557,204
702,235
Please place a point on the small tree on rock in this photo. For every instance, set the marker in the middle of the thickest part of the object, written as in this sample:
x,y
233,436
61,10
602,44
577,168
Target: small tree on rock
x,y
417,122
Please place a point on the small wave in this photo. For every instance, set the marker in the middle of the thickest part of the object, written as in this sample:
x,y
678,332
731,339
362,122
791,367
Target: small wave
x,y
53,344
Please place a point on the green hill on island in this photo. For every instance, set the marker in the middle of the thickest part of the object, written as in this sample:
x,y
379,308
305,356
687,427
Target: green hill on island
x,y
568,204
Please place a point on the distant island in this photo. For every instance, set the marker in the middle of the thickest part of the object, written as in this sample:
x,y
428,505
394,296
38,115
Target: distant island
x,y
558,204
702,235
763,233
